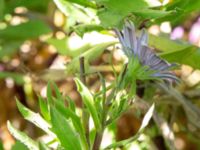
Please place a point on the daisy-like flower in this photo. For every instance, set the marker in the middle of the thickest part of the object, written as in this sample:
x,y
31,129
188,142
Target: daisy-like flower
x,y
134,46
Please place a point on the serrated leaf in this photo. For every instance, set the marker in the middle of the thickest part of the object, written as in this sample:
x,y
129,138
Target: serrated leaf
x,y
117,10
185,8
70,114
35,118
106,16
73,12
22,137
68,138
88,100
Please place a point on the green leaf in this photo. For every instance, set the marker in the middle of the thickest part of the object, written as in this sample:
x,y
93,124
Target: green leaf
x,y
68,138
35,118
147,117
71,103
92,136
68,113
73,12
58,94
90,55
61,45
123,105
96,51
88,100
1,145
34,6
115,11
152,14
106,16
85,28
23,31
9,48
177,52
22,137
18,78
49,94
43,146
185,7
85,3
145,122
44,109
189,56
2,6
19,146
165,44
63,48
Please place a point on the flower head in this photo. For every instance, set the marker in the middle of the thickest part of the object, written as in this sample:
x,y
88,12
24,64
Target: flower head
x,y
134,46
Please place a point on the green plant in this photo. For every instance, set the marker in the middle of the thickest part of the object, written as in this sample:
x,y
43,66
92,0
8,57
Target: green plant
x,y
64,124
68,126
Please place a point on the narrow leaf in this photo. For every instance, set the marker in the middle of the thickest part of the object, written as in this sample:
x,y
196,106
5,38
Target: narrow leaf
x,y
58,94
49,93
22,137
68,138
89,102
71,104
147,117
42,146
145,122
69,114
44,109
35,118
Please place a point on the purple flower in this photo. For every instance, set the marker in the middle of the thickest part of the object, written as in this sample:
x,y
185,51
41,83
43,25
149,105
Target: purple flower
x,y
134,46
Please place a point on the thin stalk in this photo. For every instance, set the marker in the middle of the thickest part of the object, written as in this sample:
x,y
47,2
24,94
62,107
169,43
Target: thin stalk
x,y
99,134
85,118
106,105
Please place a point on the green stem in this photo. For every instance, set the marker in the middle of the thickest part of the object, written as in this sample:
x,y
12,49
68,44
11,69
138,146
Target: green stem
x,y
99,134
85,118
